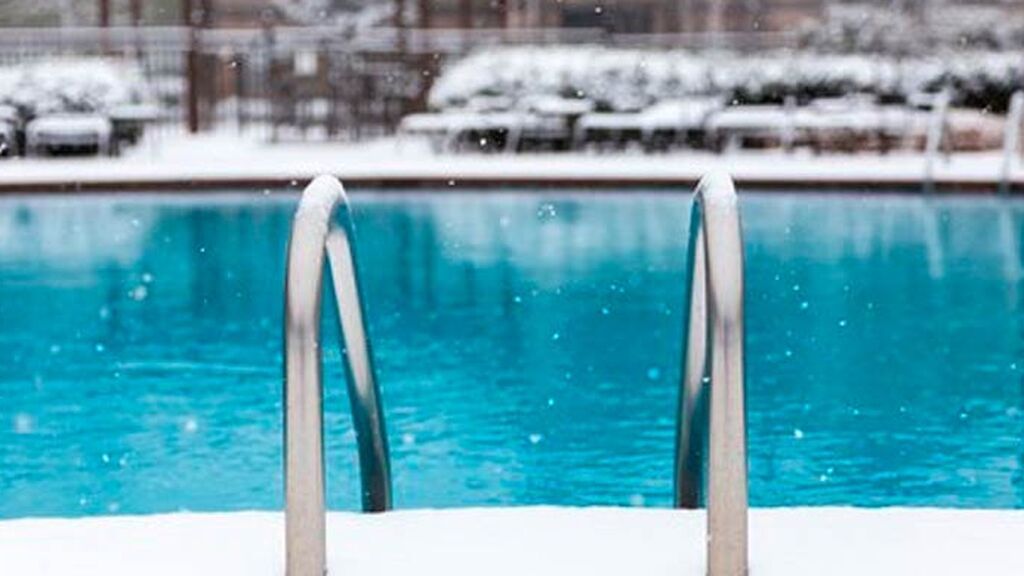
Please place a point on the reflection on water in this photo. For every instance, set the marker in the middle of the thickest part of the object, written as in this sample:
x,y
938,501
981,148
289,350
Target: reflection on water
x,y
528,347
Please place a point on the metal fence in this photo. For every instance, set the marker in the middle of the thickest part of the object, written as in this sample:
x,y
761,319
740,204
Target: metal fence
x,y
309,82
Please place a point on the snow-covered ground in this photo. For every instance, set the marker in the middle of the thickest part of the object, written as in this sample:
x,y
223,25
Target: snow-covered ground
x,y
519,541
229,160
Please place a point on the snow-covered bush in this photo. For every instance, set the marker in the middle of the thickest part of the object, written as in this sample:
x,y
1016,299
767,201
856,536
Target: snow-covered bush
x,y
860,28
866,27
90,85
984,81
625,79
615,79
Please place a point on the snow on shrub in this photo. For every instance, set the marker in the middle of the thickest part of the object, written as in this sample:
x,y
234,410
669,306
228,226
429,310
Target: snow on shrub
x,y
984,80
625,79
89,85
865,27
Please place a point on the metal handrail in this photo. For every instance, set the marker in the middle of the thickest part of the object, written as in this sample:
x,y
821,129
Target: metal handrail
x,y
1011,140
937,122
713,374
323,224
714,366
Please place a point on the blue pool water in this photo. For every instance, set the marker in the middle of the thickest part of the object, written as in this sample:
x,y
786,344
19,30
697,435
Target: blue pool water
x,y
528,347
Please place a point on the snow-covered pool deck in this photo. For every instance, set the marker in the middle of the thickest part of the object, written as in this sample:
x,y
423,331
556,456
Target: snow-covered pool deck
x,y
181,163
518,541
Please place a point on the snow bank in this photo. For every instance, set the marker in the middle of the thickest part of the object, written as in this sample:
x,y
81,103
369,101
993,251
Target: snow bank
x,y
517,541
628,79
227,158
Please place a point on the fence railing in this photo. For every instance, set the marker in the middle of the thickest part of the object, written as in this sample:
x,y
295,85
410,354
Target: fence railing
x,y
299,81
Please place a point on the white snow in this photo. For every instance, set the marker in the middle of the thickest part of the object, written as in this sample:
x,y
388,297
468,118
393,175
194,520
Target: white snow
x,y
626,79
451,123
535,541
761,117
676,114
224,157
682,113
70,125
62,85
8,114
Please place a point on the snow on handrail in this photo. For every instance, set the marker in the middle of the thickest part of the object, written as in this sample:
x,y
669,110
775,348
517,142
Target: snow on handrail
x,y
714,367
323,224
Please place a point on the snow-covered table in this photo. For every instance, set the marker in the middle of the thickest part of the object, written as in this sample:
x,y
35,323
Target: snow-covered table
x,y
446,130
69,131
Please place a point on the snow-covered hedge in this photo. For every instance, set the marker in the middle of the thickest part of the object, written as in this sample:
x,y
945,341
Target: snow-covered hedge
x,y
92,85
624,79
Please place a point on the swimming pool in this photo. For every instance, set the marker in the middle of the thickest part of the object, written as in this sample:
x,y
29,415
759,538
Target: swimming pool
x,y
528,348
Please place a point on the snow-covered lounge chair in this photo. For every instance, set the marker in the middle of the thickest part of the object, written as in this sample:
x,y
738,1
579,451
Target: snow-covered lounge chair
x,y
658,127
758,126
8,131
553,121
128,122
455,130
435,127
69,133
608,130
851,125
679,121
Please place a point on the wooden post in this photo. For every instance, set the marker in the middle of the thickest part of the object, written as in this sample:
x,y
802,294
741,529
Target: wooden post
x,y
135,9
206,13
104,17
425,16
466,23
135,15
398,16
191,67
423,56
399,25
104,13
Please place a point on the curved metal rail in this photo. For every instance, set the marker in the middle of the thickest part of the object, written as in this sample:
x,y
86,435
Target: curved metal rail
x,y
713,367
316,230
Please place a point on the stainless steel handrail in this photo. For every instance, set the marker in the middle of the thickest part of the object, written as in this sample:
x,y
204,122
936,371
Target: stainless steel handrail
x,y
1011,140
323,224
713,374
714,367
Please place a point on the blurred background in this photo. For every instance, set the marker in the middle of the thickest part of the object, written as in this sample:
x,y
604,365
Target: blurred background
x,y
509,74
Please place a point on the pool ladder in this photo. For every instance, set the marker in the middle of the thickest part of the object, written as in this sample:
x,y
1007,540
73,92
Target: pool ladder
x,y
712,392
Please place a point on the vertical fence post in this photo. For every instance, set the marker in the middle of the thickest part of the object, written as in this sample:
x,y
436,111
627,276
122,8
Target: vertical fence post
x,y
1011,140
104,17
135,10
466,23
191,67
